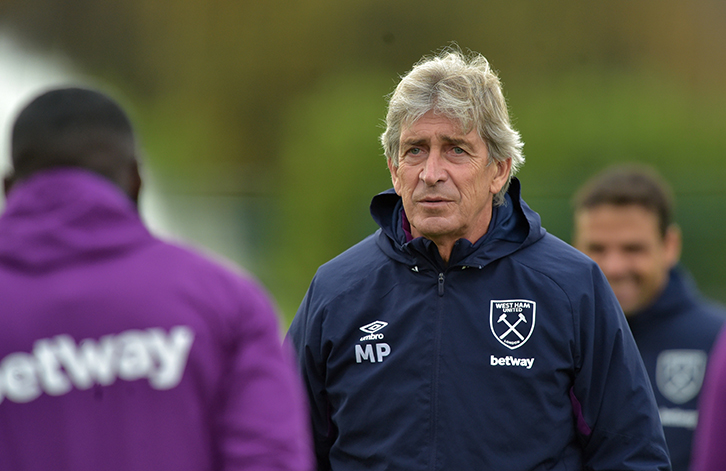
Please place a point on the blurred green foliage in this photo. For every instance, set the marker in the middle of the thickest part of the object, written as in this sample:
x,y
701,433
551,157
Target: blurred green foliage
x,y
328,171
278,104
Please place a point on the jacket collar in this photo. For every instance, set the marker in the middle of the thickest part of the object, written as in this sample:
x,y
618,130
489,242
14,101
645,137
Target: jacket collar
x,y
679,294
513,226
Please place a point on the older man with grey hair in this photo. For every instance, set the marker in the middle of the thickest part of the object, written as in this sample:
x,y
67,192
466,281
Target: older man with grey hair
x,y
462,336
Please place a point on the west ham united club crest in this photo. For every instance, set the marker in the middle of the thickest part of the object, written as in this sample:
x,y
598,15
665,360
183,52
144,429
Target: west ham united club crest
x,y
679,374
512,321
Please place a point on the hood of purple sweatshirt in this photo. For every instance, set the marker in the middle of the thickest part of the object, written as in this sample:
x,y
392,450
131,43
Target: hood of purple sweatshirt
x,y
64,216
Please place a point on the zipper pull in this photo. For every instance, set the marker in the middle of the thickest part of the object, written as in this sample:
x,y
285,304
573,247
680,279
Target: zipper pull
x,y
441,284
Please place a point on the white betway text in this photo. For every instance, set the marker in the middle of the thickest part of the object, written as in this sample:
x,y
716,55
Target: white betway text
x,y
58,364
679,418
512,361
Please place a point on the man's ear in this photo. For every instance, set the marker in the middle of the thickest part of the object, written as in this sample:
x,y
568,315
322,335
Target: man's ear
x,y
504,168
673,242
134,186
8,183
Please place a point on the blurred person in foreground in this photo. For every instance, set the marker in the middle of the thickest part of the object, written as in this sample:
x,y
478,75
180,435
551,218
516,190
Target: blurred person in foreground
x,y
709,443
119,351
462,336
623,219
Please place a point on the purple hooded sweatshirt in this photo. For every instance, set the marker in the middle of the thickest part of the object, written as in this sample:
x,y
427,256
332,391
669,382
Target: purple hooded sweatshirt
x,y
709,441
121,352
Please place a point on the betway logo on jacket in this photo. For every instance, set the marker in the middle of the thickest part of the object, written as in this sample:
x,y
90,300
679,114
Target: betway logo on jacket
x,y
58,364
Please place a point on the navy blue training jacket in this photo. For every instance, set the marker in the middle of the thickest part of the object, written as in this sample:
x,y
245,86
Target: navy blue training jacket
x,y
675,336
515,356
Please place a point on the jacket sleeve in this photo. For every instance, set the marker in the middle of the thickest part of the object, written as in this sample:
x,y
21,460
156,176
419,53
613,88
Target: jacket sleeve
x,y
306,338
262,420
617,418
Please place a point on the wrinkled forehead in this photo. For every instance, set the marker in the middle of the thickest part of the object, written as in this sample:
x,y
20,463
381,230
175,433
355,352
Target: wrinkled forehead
x,y
463,122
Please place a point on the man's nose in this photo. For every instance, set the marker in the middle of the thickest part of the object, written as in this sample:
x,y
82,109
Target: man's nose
x,y
434,169
613,264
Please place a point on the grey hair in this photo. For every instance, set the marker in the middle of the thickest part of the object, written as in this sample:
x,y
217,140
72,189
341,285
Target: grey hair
x,y
464,89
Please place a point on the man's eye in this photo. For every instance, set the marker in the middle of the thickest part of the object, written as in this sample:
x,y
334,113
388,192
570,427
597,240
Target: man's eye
x,y
414,151
458,150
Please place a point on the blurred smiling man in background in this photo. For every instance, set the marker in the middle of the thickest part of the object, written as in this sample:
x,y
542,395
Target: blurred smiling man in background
x,y
623,220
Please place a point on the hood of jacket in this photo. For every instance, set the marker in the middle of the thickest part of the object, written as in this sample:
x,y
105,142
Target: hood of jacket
x,y
679,295
513,227
66,215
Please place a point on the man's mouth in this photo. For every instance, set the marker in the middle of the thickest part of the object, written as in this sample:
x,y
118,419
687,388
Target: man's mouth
x,y
432,199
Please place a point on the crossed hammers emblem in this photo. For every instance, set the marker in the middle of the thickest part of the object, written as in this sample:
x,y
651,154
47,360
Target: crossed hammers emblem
x,y
512,327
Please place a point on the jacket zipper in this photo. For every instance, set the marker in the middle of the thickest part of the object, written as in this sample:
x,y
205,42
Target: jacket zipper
x,y
435,377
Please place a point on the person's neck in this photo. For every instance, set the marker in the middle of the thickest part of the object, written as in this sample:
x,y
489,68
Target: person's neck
x,y
445,249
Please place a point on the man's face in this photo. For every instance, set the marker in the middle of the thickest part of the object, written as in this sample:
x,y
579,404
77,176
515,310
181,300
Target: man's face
x,y
627,245
445,180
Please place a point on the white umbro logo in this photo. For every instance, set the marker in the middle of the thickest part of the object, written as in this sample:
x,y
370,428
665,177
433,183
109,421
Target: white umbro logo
x,y
373,327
